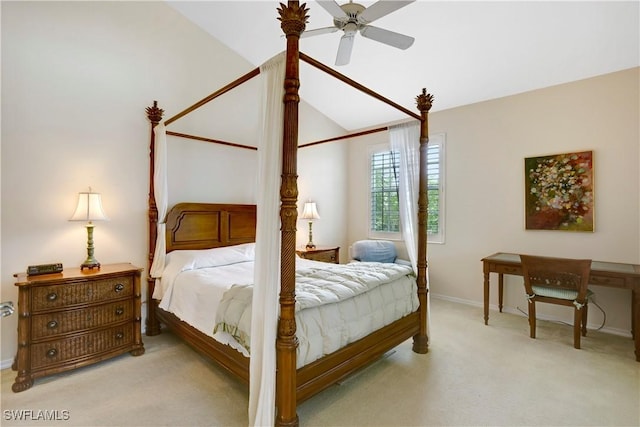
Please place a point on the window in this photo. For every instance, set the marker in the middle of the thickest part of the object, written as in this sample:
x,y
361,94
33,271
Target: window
x,y
384,209
385,212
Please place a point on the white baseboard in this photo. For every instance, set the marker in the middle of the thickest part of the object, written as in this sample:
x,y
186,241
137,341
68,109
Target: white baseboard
x,y
5,364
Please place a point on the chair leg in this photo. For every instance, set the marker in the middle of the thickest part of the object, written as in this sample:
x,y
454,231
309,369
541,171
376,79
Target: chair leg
x,y
585,310
532,319
577,322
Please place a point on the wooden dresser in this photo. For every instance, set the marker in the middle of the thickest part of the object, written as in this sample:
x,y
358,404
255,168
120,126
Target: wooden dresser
x,y
75,318
321,254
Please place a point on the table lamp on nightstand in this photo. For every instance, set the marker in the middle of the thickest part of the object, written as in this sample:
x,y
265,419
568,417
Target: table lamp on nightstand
x,y
89,209
310,212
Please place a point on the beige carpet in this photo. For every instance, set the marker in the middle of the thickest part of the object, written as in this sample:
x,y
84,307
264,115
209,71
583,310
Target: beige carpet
x,y
473,375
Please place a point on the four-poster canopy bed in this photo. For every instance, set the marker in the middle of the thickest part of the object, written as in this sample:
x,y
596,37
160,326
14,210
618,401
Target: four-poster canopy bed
x,y
202,226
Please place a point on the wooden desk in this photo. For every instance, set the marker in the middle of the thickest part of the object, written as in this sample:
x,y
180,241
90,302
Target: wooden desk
x,y
608,274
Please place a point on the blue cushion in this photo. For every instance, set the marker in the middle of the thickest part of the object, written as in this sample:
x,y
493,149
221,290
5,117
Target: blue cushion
x,y
373,251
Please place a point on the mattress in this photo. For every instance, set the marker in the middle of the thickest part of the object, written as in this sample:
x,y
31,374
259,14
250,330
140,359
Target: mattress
x,y
195,282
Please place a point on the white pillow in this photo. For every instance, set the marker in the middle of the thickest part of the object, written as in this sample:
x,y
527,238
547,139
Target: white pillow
x,y
215,257
192,259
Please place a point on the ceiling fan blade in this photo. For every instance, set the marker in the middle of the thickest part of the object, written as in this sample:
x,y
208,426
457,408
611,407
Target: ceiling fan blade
x,y
344,49
387,37
318,31
380,9
333,8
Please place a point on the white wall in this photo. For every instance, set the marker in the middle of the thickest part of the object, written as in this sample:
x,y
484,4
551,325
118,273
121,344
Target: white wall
x,y
486,145
76,79
322,177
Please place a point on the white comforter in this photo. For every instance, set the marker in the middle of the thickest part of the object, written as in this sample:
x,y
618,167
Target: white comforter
x,y
328,317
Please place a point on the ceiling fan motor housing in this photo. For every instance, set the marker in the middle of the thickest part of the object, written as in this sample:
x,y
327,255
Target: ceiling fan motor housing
x,y
353,10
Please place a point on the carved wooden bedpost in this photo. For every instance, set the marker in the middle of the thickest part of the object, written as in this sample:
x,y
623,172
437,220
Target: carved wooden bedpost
x,y
421,340
152,325
293,18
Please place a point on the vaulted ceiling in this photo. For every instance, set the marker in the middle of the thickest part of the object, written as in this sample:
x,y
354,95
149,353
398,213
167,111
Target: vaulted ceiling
x,y
464,51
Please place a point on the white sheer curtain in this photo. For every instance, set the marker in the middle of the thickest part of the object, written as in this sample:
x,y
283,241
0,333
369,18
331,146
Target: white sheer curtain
x,y
264,316
161,194
405,139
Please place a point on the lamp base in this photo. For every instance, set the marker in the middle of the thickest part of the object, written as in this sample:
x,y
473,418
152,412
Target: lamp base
x,y
90,262
90,265
310,244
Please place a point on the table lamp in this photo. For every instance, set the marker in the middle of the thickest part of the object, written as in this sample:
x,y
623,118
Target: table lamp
x,y
89,209
310,212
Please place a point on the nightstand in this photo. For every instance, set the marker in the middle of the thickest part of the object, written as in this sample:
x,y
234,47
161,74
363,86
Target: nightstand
x,y
75,318
321,254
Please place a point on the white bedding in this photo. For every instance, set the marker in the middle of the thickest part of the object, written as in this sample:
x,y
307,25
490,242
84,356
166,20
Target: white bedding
x,y
194,283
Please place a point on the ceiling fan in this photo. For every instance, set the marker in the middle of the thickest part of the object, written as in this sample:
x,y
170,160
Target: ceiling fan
x,y
353,17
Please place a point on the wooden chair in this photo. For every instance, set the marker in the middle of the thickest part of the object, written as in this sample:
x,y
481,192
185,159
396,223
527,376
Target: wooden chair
x,y
558,281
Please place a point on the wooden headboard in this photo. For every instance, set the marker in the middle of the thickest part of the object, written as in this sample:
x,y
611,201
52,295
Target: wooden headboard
x,y
209,225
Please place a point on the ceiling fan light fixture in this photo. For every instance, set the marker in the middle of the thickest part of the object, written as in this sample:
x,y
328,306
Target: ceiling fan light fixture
x,y
350,28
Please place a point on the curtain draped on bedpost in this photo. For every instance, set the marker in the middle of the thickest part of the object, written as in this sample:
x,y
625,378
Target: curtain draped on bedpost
x,y
405,139
264,317
161,193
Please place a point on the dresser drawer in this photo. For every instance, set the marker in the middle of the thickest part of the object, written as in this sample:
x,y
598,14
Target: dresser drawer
x,y
321,254
57,323
325,256
52,353
54,296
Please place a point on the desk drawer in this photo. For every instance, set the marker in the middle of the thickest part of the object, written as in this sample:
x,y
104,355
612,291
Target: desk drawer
x,y
617,282
508,269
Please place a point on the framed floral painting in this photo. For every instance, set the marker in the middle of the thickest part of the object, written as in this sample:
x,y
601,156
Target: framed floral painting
x,y
559,192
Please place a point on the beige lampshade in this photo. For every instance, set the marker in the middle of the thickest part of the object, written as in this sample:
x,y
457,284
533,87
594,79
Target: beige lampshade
x,y
89,208
310,211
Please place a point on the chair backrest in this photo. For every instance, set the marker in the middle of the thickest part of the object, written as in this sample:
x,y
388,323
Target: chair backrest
x,y
373,251
560,273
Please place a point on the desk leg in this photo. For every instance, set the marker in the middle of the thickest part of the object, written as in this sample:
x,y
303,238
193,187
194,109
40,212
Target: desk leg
x,y
635,312
486,298
500,290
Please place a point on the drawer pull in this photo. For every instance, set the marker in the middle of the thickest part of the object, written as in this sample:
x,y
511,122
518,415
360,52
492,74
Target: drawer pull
x,y
52,353
119,311
119,335
52,296
119,287
52,324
